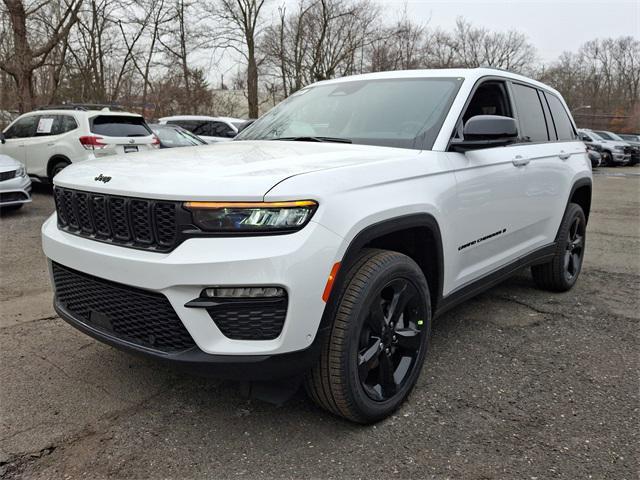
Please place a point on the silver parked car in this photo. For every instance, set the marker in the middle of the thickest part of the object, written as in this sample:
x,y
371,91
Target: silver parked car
x,y
15,184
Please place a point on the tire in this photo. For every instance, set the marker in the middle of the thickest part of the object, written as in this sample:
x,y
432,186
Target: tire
x,y
370,342
56,168
607,159
561,273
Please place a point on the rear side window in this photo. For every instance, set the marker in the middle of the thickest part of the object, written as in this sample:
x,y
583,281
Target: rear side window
x,y
533,125
564,128
119,126
23,127
198,127
55,125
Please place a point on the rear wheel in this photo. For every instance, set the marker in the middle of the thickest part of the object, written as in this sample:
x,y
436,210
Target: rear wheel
x,y
57,167
561,273
373,355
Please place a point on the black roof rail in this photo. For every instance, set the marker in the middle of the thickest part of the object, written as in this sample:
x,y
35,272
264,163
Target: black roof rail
x,y
82,106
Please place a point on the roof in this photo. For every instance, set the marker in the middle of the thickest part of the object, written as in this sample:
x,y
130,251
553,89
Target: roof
x,y
66,111
471,74
201,117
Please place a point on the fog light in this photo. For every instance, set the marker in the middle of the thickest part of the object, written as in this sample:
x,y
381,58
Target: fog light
x,y
244,292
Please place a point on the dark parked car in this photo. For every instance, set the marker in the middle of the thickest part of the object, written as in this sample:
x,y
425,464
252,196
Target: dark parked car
x,y
634,141
171,136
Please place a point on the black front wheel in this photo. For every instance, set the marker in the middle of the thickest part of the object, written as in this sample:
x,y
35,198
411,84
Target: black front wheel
x,y
56,168
373,356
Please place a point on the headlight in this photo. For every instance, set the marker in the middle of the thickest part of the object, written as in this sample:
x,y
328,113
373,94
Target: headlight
x,y
21,172
258,217
619,147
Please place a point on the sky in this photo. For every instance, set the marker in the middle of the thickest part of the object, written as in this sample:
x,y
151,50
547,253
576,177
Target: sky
x,y
552,26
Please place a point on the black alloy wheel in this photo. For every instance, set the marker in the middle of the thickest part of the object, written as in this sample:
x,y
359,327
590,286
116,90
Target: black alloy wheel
x,y
575,248
390,340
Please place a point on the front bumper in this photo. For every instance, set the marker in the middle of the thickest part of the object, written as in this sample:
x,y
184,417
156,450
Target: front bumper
x,y
621,158
194,360
15,191
299,262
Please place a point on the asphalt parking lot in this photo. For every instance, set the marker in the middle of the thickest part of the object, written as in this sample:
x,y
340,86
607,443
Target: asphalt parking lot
x,y
519,383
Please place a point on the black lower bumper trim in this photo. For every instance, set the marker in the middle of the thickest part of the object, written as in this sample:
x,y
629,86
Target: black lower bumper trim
x,y
230,367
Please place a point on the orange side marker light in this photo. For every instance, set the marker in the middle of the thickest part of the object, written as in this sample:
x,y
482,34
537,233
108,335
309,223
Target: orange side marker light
x,y
330,280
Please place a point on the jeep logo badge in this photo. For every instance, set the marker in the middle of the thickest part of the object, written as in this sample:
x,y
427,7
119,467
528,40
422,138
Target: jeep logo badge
x,y
102,178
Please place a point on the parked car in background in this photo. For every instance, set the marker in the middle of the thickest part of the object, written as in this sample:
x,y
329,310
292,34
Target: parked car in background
x,y
172,136
49,139
15,184
634,141
594,155
633,152
612,151
320,251
210,129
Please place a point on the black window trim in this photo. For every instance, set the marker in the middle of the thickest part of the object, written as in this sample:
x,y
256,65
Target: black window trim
x,y
517,117
568,113
474,89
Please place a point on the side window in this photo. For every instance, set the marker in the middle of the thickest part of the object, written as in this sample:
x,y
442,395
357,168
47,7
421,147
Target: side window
x,y
533,125
585,138
220,129
564,127
66,124
24,127
489,99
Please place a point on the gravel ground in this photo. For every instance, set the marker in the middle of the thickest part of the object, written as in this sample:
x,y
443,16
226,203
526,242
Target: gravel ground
x,y
519,383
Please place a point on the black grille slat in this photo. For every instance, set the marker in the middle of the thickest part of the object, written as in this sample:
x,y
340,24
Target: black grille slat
x,y
7,175
132,222
84,216
69,209
99,210
259,321
141,221
118,217
165,222
141,317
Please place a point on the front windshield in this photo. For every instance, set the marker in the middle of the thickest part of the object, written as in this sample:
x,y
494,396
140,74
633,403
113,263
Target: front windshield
x,y
172,137
605,135
405,113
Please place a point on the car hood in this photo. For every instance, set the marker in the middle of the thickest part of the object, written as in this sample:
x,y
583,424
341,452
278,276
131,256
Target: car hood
x,y
8,163
238,170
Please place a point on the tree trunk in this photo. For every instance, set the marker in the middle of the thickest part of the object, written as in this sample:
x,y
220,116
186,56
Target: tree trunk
x,y
252,80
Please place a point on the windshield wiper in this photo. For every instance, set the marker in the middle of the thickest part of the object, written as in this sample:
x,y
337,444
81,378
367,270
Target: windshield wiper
x,y
315,139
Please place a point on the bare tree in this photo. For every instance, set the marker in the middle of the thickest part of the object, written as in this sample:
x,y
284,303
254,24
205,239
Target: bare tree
x,y
239,19
25,55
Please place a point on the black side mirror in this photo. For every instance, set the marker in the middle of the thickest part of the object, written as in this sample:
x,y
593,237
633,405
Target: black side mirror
x,y
246,124
486,131
2,139
230,134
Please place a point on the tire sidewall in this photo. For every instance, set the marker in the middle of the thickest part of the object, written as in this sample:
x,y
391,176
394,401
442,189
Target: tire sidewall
x,y
400,267
573,212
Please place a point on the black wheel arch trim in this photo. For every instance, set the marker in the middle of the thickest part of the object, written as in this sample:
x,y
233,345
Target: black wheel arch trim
x,y
579,183
52,161
377,230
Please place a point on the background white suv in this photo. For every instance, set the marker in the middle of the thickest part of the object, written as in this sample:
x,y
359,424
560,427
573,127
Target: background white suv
x,y
210,129
48,140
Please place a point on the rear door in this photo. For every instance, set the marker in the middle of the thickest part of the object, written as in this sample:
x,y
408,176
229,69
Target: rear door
x,y
43,145
121,134
548,174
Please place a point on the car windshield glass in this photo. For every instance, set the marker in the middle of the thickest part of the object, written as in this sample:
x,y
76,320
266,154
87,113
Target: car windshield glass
x,y
405,113
119,126
605,135
173,137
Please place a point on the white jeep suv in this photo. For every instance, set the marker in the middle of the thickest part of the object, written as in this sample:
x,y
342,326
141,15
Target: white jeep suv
x,y
321,243
48,140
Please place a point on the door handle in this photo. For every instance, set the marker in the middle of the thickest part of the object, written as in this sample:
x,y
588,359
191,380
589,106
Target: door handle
x,y
520,161
564,155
